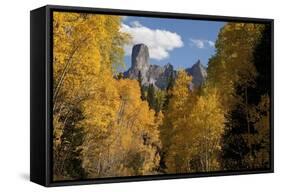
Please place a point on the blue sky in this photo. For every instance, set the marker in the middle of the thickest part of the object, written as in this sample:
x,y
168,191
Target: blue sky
x,y
180,42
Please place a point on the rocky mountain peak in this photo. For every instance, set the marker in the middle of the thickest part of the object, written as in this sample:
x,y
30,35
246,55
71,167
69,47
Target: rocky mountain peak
x,y
168,66
140,63
140,56
198,72
157,75
198,62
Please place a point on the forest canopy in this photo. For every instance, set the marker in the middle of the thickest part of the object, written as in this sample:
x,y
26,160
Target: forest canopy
x,y
108,125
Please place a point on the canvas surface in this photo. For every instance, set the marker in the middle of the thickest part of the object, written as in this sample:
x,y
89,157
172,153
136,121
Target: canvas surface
x,y
138,96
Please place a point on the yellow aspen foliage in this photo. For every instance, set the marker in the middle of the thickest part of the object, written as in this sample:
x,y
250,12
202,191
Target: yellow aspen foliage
x,y
192,128
86,50
240,73
84,46
233,65
207,122
120,133
105,125
175,130
137,121
177,109
129,140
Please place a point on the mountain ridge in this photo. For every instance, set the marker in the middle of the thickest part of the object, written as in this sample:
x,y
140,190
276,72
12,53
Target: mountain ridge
x,y
157,75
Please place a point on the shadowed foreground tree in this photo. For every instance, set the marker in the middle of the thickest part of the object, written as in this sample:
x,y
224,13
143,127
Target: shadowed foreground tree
x,y
240,71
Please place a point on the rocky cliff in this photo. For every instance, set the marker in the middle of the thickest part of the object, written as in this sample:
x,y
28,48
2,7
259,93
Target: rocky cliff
x,y
198,72
140,63
157,75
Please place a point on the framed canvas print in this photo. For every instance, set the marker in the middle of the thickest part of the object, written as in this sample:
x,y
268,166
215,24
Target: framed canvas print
x,y
120,95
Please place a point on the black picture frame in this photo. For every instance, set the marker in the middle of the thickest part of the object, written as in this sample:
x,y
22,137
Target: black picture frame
x,y
41,94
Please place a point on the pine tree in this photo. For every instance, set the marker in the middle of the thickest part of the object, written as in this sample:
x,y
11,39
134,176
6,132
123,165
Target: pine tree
x,y
142,88
151,96
160,99
171,82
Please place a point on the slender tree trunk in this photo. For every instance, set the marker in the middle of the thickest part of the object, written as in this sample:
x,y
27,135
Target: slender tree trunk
x,y
64,72
248,124
247,111
206,154
61,79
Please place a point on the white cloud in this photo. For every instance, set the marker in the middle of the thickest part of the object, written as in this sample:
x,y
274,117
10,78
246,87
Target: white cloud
x,y
124,18
136,24
201,43
160,42
211,43
197,43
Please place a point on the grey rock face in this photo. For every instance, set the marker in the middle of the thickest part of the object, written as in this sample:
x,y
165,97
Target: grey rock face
x,y
140,63
198,73
161,75
140,56
157,75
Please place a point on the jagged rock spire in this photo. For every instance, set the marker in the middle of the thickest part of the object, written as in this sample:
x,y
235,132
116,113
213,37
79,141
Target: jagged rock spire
x,y
157,75
198,72
140,56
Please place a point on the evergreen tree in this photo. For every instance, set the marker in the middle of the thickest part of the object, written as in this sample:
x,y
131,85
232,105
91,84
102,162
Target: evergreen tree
x,y
142,88
171,82
151,96
160,99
